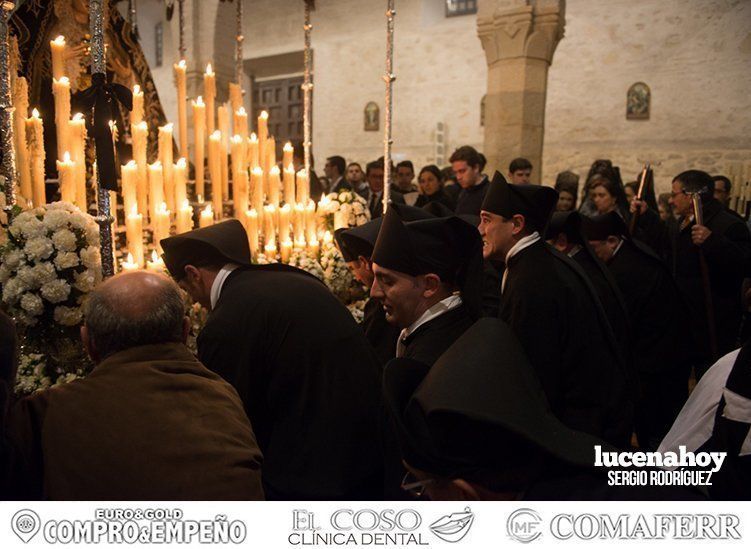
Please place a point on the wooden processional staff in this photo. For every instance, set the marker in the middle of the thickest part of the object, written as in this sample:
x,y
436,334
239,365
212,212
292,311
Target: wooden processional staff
x,y
389,78
8,167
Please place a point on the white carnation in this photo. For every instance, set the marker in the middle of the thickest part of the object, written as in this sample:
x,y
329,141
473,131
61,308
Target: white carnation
x,y
44,272
56,219
90,257
38,249
29,278
12,290
32,304
13,259
92,234
55,291
68,316
85,281
5,273
64,240
33,228
66,260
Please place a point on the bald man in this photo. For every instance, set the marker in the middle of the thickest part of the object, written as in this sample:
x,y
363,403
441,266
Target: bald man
x,y
149,423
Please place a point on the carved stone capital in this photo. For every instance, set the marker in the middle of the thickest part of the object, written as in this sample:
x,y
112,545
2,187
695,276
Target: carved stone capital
x,y
528,28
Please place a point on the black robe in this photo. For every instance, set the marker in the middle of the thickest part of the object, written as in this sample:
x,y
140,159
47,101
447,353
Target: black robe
x,y
662,353
556,315
470,200
430,340
381,334
728,255
308,378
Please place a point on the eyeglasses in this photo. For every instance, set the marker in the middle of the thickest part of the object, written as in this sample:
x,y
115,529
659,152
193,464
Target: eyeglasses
x,y
414,487
676,193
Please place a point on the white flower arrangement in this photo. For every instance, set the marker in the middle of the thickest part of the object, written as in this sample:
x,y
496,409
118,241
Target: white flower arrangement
x,y
34,374
343,210
48,264
336,274
301,259
357,310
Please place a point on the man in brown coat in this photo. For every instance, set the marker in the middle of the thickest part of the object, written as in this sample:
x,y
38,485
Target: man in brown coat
x,y
149,423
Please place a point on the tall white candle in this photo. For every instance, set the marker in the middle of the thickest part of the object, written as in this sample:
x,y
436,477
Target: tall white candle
x,y
182,107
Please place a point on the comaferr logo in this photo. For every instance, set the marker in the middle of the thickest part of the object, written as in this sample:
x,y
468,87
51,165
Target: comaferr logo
x,y
524,525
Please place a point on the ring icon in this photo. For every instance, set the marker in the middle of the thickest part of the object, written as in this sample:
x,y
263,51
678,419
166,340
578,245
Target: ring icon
x,y
25,524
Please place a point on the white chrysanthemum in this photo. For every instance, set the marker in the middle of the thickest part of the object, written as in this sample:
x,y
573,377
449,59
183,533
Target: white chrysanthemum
x,y
92,234
64,240
68,316
66,260
56,219
55,291
65,206
44,272
32,304
85,281
13,259
5,273
90,257
28,277
38,249
12,290
33,227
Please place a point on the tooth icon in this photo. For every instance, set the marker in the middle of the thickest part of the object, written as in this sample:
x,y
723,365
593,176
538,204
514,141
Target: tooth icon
x,y
25,523
453,527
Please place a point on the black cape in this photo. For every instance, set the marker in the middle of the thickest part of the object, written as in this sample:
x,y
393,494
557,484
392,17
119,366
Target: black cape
x,y
662,349
430,340
381,334
308,379
556,315
470,200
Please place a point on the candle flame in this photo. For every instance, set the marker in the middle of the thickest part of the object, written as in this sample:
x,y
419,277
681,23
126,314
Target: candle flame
x,y
134,209
186,204
302,173
66,157
181,163
35,113
131,164
286,208
209,70
142,126
154,256
130,258
269,208
290,168
299,207
199,102
253,137
241,112
156,165
60,40
166,128
78,117
216,136
237,138
63,80
258,171
274,170
207,210
163,207
136,89
182,64
288,147
252,212
264,115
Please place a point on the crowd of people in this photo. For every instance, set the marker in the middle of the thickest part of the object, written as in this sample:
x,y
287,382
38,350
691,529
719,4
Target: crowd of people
x,y
510,329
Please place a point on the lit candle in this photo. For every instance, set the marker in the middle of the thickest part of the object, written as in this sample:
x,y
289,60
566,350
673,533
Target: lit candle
x,y
77,137
263,135
287,153
156,189
207,217
313,247
253,159
299,223
129,264
327,238
129,174
57,47
286,250
184,221
270,250
180,176
161,225
310,221
139,133
303,187
251,226
235,99
134,235
269,224
223,125
270,153
156,264
66,173
182,108
237,153
256,188
21,104
199,129
165,157
35,135
209,94
285,213
61,91
215,172
240,191
136,114
274,185
241,122
289,184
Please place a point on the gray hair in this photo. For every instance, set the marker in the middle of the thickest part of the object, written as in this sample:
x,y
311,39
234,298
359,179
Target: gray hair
x,y
120,318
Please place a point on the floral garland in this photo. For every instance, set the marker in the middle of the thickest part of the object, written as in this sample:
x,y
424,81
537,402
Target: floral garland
x,y
342,210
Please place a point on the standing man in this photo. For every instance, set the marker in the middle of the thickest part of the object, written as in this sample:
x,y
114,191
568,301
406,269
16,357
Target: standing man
x,y
552,308
722,188
467,165
405,175
304,370
374,176
428,277
356,179
334,170
724,241
662,354
520,171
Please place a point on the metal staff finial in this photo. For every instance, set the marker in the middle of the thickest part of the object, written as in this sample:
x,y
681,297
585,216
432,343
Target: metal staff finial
x,y
99,66
132,16
389,78
239,46
8,168
307,87
181,26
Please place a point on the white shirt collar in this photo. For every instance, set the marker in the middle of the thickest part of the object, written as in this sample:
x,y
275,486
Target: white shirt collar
x,y
575,250
221,277
443,306
618,247
524,242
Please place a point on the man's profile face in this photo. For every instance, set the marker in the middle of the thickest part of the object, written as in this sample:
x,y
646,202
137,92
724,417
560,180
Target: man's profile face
x,y
404,177
605,249
400,294
521,177
375,179
355,174
466,175
497,234
362,270
721,192
680,200
330,170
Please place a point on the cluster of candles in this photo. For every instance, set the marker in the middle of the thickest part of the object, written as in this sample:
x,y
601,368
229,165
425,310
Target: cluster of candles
x,y
273,204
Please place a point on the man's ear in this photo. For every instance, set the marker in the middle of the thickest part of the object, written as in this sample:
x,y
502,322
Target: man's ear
x,y
432,285
365,263
193,274
464,490
519,224
88,344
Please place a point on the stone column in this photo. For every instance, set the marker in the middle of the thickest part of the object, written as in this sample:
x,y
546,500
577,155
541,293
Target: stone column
x,y
519,38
